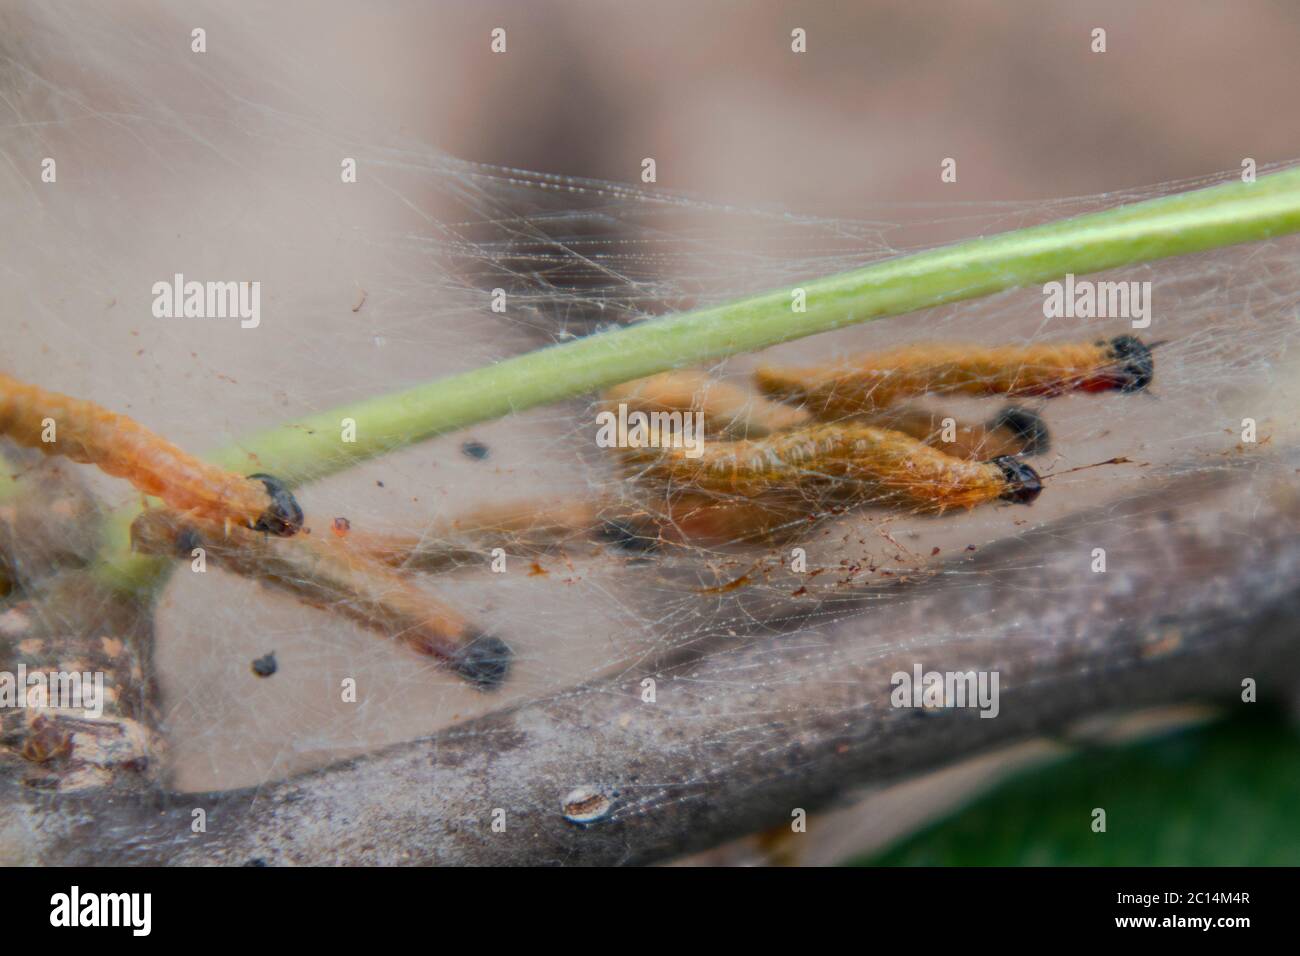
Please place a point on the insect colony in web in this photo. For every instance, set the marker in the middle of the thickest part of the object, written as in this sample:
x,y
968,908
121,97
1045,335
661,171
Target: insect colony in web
x,y
812,441
808,443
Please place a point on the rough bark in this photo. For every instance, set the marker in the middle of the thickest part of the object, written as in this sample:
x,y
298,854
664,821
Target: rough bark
x,y
741,735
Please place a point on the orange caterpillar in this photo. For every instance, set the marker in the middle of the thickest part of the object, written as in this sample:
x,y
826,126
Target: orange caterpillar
x,y
87,433
728,409
842,464
527,527
879,380
327,572
1012,431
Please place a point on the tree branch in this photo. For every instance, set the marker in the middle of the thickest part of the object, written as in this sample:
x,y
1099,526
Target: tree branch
x,y
1203,593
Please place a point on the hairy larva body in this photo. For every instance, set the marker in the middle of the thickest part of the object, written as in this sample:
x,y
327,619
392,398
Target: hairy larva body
x,y
728,409
879,380
327,572
120,446
825,464
1013,431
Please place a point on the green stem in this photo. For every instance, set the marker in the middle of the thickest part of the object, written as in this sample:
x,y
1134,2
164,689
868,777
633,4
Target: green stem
x,y
1139,232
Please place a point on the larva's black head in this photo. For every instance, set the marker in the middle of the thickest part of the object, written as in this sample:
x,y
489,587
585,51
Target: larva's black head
x,y
1134,366
187,541
626,537
1028,427
284,517
1023,483
484,661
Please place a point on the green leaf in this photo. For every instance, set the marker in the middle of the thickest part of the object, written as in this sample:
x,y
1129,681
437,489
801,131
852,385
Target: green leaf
x,y
1223,795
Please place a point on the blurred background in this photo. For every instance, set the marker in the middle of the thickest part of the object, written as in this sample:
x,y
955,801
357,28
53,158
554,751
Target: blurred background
x,y
855,127
886,90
